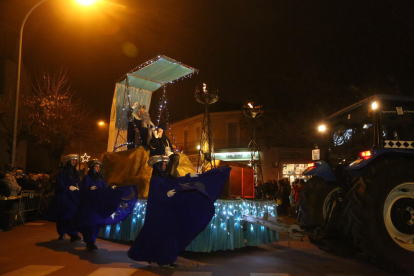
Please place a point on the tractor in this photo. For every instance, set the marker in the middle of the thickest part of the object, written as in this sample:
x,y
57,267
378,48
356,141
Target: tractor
x,y
360,197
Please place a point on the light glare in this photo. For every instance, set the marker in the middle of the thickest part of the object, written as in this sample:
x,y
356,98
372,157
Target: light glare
x,y
86,2
374,105
322,128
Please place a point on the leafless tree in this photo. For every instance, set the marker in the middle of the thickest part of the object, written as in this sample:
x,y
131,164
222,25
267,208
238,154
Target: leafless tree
x,y
49,116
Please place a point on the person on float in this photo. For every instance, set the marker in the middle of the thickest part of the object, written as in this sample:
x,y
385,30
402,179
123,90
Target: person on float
x,y
97,202
64,205
178,209
142,121
161,145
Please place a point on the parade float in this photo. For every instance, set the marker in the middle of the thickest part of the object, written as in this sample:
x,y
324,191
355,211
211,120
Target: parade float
x,y
124,165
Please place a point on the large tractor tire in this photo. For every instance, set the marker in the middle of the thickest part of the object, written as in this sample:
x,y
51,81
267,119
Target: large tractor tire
x,y
380,213
312,200
317,216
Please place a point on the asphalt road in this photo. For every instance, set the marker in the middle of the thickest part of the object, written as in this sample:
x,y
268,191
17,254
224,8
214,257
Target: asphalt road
x,y
33,249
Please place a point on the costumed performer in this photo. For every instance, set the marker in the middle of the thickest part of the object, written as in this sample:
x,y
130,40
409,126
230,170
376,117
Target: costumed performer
x,y
178,210
142,121
161,145
64,205
97,203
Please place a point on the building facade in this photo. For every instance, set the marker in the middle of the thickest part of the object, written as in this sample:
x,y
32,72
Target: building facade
x,y
231,142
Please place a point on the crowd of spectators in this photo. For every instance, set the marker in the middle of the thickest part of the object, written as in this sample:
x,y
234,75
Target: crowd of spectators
x,y
12,183
284,193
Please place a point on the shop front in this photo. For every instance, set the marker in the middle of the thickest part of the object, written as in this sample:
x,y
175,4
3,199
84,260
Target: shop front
x,y
294,171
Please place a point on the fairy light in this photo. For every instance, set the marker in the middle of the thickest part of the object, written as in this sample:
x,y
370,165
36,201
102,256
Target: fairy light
x,y
226,221
127,97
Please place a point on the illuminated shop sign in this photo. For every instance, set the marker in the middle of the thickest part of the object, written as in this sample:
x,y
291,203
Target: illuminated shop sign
x,y
235,156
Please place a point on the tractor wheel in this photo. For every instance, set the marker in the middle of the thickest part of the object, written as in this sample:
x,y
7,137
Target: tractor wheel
x,y
380,213
317,200
313,202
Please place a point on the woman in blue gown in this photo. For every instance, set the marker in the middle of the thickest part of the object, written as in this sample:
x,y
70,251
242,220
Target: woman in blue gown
x,y
178,209
97,202
64,205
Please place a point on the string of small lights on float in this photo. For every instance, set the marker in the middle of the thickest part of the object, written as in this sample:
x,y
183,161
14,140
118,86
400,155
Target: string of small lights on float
x,y
127,96
163,107
228,215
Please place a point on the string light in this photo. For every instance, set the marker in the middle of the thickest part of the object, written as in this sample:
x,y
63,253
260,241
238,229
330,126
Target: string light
x,y
127,99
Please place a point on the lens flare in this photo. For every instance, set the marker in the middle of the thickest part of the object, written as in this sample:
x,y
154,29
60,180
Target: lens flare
x,y
86,2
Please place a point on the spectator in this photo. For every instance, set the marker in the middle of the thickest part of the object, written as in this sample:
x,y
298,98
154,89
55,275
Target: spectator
x,y
46,183
10,180
283,195
296,188
32,183
21,180
4,188
259,190
5,206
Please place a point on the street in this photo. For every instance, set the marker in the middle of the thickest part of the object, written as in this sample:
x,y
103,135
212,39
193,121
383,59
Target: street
x,y
33,249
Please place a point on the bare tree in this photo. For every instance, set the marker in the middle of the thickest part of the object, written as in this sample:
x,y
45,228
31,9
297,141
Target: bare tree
x,y
53,116
49,116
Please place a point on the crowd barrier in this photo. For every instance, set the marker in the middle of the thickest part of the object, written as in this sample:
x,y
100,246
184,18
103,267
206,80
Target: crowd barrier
x,y
28,205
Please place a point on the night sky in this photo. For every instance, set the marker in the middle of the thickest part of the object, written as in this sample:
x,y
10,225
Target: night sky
x,y
290,56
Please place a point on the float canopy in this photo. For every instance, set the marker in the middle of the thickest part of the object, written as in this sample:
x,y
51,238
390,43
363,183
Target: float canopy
x,y
156,73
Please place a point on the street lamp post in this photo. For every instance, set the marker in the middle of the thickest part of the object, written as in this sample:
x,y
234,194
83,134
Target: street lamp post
x,y
19,63
16,102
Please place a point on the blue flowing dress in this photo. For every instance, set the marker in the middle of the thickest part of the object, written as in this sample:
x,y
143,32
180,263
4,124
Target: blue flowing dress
x,y
64,205
171,223
95,206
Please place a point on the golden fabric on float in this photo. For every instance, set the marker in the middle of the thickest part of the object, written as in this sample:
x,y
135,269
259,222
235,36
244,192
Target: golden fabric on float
x,y
130,167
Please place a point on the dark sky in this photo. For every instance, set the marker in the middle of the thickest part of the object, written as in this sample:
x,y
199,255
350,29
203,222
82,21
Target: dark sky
x,y
287,55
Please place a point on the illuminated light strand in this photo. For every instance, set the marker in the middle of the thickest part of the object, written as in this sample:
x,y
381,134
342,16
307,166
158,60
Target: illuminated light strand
x,y
127,97
224,224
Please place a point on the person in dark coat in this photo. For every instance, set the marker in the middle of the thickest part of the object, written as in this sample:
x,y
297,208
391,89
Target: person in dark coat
x,y
5,206
63,207
97,202
161,145
177,211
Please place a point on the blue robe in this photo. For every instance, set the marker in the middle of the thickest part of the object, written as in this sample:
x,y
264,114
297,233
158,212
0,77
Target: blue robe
x,y
95,206
64,205
171,223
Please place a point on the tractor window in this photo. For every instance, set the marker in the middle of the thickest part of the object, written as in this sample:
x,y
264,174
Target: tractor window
x,y
397,121
350,133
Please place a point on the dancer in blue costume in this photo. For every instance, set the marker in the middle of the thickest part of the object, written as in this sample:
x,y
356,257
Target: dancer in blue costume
x,y
178,209
97,202
63,207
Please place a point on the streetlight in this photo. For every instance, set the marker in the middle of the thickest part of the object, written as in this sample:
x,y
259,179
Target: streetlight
x,y
101,123
19,62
